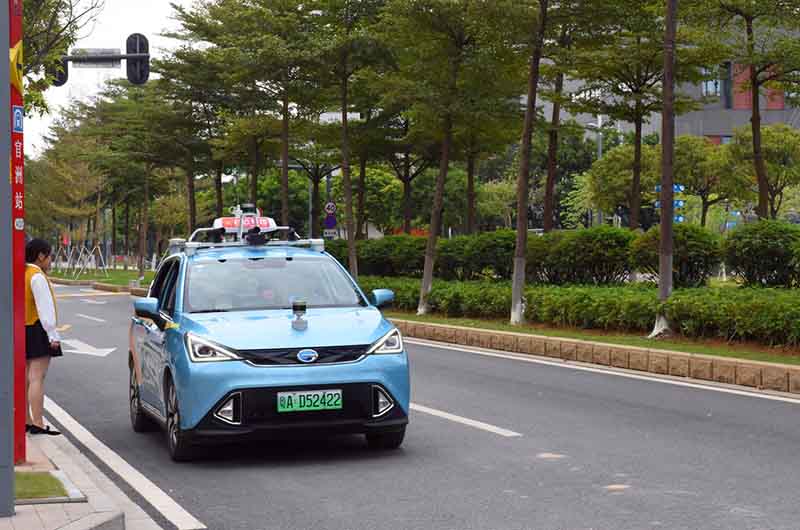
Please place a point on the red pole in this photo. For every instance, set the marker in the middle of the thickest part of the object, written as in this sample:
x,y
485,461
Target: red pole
x,y
18,209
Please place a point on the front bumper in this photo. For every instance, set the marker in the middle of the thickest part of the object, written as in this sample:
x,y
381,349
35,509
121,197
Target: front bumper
x,y
202,387
258,417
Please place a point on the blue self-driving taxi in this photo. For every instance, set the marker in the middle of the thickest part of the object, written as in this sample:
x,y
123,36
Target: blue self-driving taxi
x,y
245,336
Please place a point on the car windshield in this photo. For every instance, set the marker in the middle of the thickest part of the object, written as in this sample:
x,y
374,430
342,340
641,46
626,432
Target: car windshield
x,y
267,283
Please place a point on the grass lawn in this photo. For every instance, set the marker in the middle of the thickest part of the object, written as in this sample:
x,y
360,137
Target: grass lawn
x,y
115,277
751,352
37,485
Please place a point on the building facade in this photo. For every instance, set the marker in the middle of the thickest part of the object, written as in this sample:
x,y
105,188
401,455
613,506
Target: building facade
x,y
729,107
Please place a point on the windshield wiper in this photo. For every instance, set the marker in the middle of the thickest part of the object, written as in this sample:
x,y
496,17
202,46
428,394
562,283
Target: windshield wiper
x,y
210,311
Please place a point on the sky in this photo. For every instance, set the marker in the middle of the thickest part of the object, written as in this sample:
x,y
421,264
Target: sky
x,y
118,19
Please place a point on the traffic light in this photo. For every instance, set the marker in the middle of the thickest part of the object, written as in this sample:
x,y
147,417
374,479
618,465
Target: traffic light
x,y
60,73
138,67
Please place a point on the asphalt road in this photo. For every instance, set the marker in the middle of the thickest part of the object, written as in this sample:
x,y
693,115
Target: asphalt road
x,y
597,451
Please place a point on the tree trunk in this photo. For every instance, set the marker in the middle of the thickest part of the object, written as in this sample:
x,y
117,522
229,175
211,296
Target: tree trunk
x,y
316,207
114,229
520,252
552,157
636,185
346,182
127,234
143,227
662,325
191,198
755,122
218,188
704,207
256,172
436,218
407,205
285,162
471,193
362,197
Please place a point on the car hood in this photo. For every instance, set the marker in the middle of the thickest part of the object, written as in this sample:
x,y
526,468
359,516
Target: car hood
x,y
254,330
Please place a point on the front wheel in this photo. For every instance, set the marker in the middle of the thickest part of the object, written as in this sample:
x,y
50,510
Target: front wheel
x,y
140,422
178,445
386,440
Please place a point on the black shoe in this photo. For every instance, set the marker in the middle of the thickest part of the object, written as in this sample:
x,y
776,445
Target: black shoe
x,y
35,429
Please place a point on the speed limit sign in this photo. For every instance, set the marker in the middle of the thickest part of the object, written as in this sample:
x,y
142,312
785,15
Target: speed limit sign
x,y
330,208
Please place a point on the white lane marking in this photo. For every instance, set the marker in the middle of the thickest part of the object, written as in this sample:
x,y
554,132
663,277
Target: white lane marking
x,y
98,293
571,366
465,421
162,502
550,456
87,317
81,348
92,302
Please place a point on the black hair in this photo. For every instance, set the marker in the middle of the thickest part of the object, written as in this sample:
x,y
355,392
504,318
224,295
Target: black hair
x,y
34,248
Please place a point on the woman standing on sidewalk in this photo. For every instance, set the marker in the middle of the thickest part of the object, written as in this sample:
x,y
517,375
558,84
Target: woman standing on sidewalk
x,y
42,341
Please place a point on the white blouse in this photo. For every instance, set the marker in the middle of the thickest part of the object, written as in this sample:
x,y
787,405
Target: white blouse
x,y
45,306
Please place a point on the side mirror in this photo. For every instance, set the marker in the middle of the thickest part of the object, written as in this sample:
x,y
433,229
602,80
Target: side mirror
x,y
382,298
147,308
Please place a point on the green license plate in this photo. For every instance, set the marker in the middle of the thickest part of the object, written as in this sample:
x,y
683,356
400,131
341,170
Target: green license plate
x,y
309,400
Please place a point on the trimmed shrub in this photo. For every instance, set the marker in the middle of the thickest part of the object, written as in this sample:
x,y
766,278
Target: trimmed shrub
x,y
451,258
542,265
338,249
697,252
599,255
761,253
767,316
491,254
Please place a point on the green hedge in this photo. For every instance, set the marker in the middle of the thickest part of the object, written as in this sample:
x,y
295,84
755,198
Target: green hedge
x,y
697,253
766,253
763,253
768,316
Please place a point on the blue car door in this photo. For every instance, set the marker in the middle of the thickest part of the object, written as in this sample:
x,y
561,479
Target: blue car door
x,y
153,342
170,337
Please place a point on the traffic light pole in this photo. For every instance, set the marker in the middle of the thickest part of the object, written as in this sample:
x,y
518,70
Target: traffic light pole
x,y
6,286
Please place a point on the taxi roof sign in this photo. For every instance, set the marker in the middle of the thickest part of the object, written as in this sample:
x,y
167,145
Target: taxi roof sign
x,y
231,224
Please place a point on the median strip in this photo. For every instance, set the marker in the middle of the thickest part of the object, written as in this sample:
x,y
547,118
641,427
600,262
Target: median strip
x,y
753,374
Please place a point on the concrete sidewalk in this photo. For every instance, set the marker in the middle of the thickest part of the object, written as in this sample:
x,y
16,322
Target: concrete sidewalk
x,y
94,501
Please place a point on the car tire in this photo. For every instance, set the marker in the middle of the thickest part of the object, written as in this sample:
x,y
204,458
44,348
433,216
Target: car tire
x,y
386,441
140,421
179,448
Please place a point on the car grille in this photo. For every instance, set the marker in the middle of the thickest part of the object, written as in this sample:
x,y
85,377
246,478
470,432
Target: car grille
x,y
288,356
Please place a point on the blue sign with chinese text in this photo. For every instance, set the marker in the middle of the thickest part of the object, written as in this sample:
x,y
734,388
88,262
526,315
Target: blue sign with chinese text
x,y
18,113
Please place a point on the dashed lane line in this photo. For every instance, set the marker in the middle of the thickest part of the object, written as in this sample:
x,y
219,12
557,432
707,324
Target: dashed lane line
x,y
87,317
465,421
154,495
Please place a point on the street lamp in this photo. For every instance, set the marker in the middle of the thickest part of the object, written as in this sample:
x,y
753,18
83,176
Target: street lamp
x,y
598,131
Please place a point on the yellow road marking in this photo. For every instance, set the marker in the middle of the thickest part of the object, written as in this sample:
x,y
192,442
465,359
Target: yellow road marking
x,y
65,327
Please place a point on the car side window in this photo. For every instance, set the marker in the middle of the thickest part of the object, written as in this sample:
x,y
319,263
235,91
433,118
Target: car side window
x,y
167,301
161,277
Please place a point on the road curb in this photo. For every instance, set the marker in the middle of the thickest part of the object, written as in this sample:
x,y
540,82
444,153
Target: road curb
x,y
100,286
63,281
99,521
751,374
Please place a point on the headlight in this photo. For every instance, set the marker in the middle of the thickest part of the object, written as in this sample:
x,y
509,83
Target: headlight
x,y
204,351
392,342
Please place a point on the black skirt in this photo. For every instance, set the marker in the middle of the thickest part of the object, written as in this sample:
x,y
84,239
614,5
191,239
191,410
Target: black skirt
x,y
37,343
